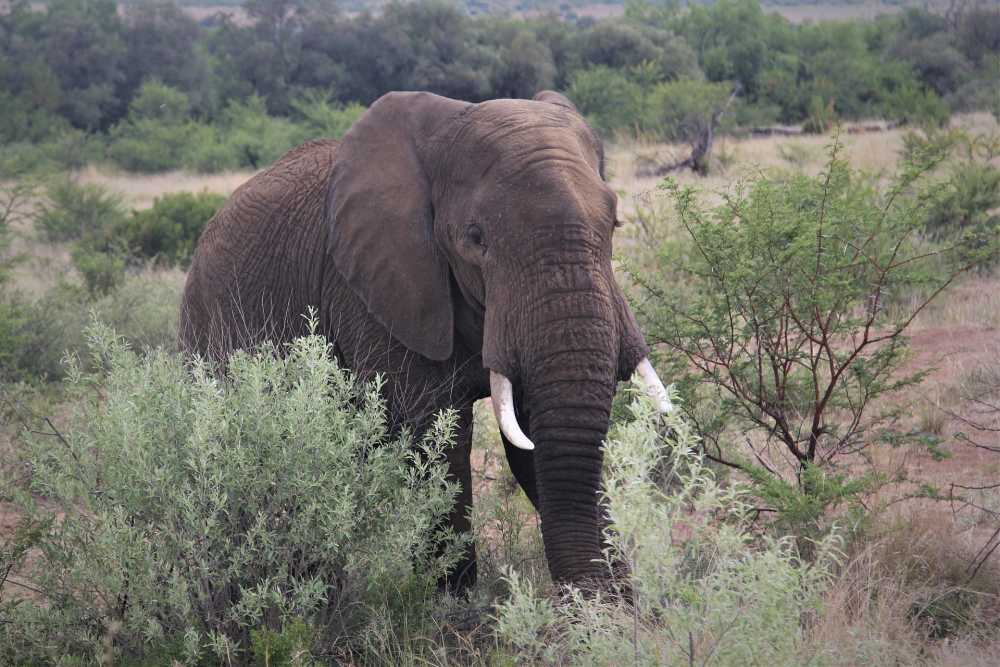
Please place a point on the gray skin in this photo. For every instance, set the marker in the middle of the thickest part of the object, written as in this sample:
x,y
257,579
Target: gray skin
x,y
438,240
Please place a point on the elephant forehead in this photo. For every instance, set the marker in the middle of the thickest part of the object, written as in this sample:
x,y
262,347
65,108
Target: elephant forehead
x,y
548,185
508,135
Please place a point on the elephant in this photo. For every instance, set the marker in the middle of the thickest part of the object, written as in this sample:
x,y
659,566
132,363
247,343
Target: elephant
x,y
462,251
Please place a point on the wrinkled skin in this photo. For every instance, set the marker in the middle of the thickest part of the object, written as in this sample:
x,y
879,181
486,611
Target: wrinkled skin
x,y
439,240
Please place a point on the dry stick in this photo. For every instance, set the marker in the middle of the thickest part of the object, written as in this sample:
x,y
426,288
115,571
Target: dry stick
x,y
701,146
982,561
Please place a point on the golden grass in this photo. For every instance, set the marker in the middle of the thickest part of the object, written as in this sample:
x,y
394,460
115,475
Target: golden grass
x,y
139,191
875,152
899,589
973,302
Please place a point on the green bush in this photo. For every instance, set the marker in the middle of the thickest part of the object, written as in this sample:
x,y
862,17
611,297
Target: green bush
x,y
911,103
72,212
151,145
91,218
971,196
158,134
318,117
72,149
608,98
963,206
12,335
253,137
170,229
786,309
202,509
106,239
702,587
35,335
681,110
102,269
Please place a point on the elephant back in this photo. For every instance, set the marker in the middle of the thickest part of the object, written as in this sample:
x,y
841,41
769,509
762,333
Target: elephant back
x,y
256,266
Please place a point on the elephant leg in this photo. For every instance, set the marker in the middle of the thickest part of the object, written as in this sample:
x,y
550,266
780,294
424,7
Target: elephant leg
x,y
463,575
521,462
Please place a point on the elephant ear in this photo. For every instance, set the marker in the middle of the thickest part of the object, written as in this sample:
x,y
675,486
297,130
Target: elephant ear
x,y
381,220
560,100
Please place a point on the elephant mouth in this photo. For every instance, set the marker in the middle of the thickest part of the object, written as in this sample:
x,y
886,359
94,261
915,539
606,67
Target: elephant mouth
x,y
502,397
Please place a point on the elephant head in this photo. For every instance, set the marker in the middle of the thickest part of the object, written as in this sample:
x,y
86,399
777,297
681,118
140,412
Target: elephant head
x,y
500,209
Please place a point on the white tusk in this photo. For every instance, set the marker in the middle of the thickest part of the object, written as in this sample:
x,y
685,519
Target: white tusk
x,y
502,396
653,386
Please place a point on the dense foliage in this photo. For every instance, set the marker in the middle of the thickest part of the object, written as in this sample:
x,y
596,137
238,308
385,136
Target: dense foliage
x,y
106,238
200,513
164,91
702,588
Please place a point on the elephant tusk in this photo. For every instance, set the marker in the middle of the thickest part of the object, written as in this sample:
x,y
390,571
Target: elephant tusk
x,y
502,396
654,387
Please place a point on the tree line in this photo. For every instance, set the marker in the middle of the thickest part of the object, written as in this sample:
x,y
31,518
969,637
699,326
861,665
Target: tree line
x,y
81,65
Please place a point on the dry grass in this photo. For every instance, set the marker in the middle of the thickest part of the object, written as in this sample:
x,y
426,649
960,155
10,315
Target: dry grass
x,y
138,191
907,587
875,152
972,303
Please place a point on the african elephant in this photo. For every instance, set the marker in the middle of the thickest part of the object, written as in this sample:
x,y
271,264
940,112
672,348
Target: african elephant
x,y
463,251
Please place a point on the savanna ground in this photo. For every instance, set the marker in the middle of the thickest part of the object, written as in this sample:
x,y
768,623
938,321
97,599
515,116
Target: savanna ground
x,y
893,599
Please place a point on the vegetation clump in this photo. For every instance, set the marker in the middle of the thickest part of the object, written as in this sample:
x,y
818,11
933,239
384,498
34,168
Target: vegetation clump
x,y
701,587
787,324
195,510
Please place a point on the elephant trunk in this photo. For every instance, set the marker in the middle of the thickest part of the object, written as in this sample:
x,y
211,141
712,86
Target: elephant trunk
x,y
568,392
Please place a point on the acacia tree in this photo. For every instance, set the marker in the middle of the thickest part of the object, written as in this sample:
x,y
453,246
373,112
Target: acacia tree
x,y
785,316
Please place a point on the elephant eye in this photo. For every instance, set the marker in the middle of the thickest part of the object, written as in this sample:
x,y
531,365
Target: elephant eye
x,y
475,235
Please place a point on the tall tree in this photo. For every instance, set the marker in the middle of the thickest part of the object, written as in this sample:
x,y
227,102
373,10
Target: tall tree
x,y
164,43
82,44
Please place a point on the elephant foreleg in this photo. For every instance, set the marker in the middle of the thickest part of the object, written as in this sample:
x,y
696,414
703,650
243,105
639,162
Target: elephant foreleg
x,y
463,575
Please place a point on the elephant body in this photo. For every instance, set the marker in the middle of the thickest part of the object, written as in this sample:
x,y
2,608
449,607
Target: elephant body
x,y
443,245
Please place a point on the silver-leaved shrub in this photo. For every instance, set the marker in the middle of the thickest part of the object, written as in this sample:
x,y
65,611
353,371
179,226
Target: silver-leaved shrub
x,y
702,587
197,511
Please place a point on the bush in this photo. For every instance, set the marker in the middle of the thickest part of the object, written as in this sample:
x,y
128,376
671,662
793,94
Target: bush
x,y
73,212
910,103
201,508
608,99
253,137
318,117
682,110
72,149
158,134
170,229
703,587
971,196
34,336
963,207
787,310
152,145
